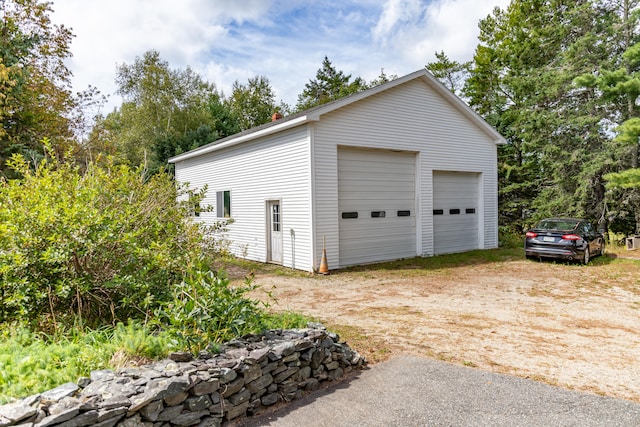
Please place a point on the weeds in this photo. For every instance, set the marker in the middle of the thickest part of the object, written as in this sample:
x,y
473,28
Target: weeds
x,y
286,320
33,362
205,309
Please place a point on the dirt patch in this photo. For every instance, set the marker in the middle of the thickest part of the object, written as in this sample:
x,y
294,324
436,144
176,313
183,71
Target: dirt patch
x,y
568,325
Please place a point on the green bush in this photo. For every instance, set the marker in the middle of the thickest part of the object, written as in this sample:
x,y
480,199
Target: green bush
x,y
33,362
100,244
510,238
206,310
82,249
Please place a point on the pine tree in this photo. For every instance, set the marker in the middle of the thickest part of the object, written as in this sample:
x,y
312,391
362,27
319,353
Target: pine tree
x,y
329,85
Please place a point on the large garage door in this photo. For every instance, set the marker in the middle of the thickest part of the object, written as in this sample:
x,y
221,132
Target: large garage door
x,y
455,211
376,202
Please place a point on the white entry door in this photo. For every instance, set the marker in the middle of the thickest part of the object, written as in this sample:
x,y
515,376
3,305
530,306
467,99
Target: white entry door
x,y
274,237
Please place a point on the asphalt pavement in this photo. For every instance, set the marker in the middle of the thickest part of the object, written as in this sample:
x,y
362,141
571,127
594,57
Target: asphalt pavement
x,y
412,391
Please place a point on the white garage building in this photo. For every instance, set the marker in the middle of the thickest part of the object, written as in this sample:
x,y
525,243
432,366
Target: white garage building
x,y
401,170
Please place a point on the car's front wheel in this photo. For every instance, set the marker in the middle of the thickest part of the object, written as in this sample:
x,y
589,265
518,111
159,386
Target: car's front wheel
x,y
587,256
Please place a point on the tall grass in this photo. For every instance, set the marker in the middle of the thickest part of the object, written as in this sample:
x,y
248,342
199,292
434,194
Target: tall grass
x,y
205,312
32,362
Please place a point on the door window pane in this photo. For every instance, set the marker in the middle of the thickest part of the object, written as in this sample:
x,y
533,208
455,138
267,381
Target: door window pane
x,y
275,217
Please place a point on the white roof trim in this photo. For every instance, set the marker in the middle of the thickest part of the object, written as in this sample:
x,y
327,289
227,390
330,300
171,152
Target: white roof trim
x,y
315,113
241,138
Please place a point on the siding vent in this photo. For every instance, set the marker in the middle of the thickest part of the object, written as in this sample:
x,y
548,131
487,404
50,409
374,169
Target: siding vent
x,y
378,214
349,215
438,211
470,210
404,213
454,211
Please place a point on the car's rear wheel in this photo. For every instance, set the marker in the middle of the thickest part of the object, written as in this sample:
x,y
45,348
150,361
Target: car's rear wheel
x,y
586,257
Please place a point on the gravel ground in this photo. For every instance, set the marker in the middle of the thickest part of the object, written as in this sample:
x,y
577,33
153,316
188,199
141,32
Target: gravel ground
x,y
563,324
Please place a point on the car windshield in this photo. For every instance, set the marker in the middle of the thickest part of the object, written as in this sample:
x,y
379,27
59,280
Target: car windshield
x,y
557,224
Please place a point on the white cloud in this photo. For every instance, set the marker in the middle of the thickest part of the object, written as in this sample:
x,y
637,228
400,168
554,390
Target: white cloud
x,y
116,31
398,16
416,30
285,41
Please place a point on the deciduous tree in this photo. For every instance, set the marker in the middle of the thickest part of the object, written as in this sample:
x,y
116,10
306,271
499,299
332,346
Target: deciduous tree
x,y
160,105
252,104
35,97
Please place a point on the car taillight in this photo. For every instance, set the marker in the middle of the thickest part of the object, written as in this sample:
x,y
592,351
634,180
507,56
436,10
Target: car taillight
x,y
531,234
571,237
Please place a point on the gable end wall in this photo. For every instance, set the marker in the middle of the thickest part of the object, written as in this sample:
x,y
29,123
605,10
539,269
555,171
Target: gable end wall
x,y
410,117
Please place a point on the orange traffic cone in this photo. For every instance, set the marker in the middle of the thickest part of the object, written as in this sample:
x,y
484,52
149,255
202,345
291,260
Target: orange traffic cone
x,y
324,267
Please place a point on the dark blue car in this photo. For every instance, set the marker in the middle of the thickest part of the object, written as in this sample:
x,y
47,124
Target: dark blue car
x,y
564,238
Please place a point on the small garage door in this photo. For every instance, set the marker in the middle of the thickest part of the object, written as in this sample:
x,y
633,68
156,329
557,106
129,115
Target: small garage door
x,y
376,202
455,211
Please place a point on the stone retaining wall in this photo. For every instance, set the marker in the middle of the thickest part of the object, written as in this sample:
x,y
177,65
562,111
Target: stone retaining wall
x,y
247,376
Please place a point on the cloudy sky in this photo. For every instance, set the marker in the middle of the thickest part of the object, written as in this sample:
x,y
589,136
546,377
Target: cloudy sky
x,y
284,40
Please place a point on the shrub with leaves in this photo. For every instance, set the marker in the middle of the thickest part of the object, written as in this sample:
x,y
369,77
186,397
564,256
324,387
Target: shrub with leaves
x,y
206,310
101,244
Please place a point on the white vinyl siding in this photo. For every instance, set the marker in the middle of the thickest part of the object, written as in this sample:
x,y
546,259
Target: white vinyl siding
x,y
455,197
411,117
296,162
375,185
271,168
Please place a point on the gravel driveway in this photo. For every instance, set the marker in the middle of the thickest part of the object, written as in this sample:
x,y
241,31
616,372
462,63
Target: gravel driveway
x,y
563,324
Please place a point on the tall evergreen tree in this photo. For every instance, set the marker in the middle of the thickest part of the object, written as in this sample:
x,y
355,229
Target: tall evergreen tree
x,y
329,85
452,74
522,82
382,78
226,123
615,87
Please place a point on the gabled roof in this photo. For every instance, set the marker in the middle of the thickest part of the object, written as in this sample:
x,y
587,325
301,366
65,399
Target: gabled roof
x,y
314,114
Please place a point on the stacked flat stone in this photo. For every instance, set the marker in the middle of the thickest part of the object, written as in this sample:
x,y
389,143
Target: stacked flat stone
x,y
247,376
